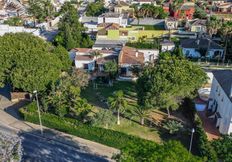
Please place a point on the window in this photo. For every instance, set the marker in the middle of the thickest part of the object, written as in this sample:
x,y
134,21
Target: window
x,y
217,88
86,67
222,99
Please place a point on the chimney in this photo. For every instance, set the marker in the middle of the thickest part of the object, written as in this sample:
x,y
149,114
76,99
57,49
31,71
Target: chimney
x,y
136,54
198,41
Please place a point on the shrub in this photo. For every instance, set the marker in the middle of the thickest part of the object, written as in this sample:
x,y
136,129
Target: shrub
x,y
223,148
171,151
172,126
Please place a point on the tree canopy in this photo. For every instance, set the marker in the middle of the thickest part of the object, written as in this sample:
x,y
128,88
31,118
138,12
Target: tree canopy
x,y
71,33
41,9
166,83
29,63
95,9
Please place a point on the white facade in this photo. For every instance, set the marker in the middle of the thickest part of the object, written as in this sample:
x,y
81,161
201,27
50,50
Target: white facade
x,y
16,29
149,54
222,105
113,18
80,64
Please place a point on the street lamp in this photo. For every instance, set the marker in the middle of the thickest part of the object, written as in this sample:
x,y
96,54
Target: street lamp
x,y
191,141
40,122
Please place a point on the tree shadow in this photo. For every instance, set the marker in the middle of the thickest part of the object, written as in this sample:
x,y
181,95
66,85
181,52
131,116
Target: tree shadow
x,y
13,110
52,146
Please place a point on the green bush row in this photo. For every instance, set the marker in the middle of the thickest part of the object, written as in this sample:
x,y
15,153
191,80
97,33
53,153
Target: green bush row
x,y
71,126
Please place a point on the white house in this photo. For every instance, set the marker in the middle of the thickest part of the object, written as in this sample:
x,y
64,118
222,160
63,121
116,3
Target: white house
x,y
120,19
197,48
167,45
84,59
220,102
131,57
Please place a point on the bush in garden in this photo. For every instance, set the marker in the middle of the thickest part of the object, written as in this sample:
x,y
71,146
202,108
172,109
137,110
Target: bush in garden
x,y
171,151
172,126
103,118
223,148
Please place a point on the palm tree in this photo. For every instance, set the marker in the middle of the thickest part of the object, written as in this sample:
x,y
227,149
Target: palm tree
x,y
226,32
141,112
96,54
117,102
212,26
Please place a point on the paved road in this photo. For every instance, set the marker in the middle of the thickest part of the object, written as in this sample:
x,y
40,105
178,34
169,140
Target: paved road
x,y
40,149
54,145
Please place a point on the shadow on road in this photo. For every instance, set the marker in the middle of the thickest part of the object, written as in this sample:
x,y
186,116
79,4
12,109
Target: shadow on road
x,y
52,147
13,110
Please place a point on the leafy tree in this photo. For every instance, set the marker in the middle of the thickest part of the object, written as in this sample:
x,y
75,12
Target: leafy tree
x,y
14,21
147,10
65,97
111,67
95,9
71,33
63,55
165,84
200,13
28,62
117,102
223,147
171,151
41,9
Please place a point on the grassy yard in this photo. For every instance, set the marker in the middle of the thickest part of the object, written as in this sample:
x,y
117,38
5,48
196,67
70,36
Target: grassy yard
x,y
97,96
130,124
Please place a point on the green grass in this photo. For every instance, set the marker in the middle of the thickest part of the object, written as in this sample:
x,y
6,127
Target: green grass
x,y
127,126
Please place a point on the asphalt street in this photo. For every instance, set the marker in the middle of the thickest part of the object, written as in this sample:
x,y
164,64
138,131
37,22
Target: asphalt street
x,y
40,149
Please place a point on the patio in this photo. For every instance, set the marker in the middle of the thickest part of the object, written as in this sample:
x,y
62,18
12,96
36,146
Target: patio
x,y
209,124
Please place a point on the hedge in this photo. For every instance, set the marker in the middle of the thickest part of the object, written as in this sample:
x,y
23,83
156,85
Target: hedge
x,y
71,126
201,143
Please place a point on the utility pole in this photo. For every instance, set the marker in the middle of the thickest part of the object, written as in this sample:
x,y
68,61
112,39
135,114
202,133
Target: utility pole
x,y
40,122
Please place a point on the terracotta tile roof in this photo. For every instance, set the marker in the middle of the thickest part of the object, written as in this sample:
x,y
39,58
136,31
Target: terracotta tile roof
x,y
130,56
103,60
84,58
82,50
109,26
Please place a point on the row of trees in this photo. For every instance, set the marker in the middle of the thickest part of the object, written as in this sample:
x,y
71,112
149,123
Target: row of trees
x,y
147,10
224,30
71,33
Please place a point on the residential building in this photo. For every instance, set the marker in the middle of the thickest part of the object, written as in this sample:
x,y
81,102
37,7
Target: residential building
x,y
198,26
220,101
171,24
113,31
141,2
84,59
185,11
115,18
131,57
167,45
224,7
123,7
201,47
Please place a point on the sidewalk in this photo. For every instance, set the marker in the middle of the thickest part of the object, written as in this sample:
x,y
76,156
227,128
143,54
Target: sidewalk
x,y
50,134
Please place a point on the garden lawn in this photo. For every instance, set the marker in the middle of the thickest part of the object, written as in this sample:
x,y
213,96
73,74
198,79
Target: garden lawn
x,y
103,91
